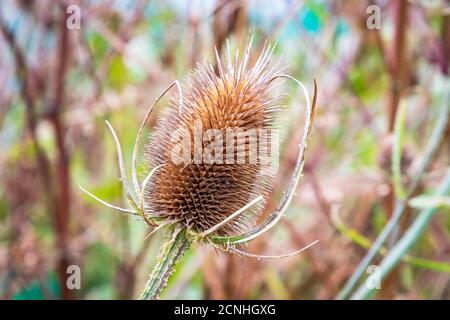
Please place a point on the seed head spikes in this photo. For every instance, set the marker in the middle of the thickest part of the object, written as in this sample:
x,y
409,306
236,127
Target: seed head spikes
x,y
208,181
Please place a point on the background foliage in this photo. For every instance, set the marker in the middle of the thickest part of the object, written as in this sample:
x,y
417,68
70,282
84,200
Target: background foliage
x,y
57,86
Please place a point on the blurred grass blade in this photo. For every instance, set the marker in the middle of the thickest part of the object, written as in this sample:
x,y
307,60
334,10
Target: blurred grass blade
x,y
397,150
427,264
366,243
427,201
405,243
435,140
276,285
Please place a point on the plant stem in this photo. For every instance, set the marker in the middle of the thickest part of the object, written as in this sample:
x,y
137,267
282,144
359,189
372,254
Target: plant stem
x,y
405,243
432,147
170,254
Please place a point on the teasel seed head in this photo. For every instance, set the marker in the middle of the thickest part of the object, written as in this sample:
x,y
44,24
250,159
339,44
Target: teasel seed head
x,y
201,194
220,186
214,195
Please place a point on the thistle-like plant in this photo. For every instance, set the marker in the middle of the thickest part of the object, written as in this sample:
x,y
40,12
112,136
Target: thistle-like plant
x,y
215,203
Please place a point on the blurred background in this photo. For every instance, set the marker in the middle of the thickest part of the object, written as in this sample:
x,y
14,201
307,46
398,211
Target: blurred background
x,y
379,150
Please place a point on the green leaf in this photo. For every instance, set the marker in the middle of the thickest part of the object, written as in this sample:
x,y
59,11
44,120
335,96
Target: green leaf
x,y
118,73
47,288
97,44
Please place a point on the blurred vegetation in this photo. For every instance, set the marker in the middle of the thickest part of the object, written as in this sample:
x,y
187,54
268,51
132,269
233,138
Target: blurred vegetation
x,y
382,93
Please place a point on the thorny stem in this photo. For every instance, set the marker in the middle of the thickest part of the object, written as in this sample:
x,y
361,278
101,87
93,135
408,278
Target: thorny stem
x,y
170,254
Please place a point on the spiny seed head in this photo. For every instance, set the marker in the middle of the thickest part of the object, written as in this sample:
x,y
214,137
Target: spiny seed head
x,y
200,192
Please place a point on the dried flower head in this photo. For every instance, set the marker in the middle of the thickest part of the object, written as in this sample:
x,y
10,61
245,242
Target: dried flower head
x,y
208,178
225,118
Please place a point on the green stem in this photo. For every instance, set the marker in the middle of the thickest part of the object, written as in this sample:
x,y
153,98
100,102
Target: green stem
x,y
170,254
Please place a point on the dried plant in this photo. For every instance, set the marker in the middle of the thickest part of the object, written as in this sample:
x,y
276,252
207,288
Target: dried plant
x,y
216,203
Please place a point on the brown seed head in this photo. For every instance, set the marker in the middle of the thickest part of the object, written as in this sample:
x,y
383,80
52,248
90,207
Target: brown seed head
x,y
202,194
